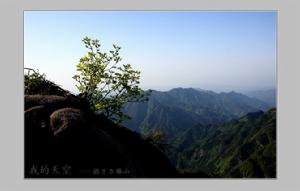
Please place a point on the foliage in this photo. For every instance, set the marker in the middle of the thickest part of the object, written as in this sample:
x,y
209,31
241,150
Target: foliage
x,y
105,82
36,83
33,80
158,138
240,148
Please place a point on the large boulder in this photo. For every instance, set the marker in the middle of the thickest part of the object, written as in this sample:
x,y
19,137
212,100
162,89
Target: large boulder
x,y
66,121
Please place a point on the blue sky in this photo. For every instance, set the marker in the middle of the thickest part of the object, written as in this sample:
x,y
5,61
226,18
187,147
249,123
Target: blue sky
x,y
220,51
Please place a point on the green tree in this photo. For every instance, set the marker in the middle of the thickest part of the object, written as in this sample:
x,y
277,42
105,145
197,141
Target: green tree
x,y
106,83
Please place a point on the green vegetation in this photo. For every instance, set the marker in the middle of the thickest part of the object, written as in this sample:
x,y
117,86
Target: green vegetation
x,y
36,83
157,138
106,83
33,81
240,148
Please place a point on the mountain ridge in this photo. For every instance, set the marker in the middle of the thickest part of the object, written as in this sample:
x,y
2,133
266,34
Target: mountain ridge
x,y
268,96
191,106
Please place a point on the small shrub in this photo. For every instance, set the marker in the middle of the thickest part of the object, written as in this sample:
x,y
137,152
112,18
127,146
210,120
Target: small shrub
x,y
36,83
157,138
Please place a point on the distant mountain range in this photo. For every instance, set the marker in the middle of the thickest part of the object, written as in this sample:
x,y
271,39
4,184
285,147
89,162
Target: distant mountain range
x,y
217,134
267,96
182,108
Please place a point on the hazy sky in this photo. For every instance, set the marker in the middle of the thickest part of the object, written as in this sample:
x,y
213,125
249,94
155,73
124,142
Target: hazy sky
x,y
219,51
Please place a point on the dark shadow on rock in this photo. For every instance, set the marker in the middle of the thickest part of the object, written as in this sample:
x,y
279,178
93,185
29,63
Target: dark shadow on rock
x,y
63,138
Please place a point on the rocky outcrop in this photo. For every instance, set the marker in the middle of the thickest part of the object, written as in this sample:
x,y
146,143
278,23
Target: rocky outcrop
x,y
67,119
62,133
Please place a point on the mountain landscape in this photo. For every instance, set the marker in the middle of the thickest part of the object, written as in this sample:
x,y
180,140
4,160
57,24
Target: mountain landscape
x,y
219,134
204,134
210,112
182,108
